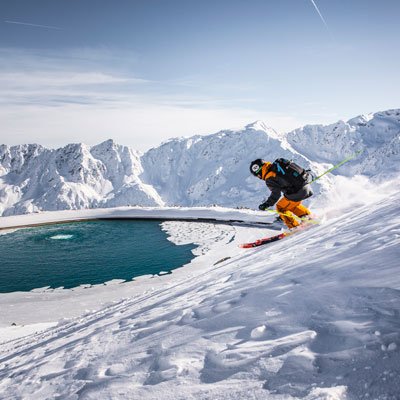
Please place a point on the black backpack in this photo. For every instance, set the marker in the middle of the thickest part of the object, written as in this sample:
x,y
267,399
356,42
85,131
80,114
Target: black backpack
x,y
293,174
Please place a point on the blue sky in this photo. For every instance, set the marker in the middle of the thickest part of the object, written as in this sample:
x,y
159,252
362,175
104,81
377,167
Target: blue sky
x,y
142,71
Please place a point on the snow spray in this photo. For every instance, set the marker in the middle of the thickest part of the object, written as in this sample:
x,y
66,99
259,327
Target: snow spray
x,y
353,156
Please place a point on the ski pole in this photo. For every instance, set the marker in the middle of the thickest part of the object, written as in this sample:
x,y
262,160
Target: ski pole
x,y
277,212
338,165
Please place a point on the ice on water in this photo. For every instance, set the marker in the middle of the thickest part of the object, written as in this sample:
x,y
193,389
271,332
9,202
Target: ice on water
x,y
61,237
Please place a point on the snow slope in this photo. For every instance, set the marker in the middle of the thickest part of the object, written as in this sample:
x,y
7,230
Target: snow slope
x,y
314,316
195,171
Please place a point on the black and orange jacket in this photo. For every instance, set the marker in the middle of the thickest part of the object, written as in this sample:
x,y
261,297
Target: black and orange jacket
x,y
277,185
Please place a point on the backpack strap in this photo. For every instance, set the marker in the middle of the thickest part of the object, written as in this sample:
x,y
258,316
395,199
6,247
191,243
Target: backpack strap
x,y
280,164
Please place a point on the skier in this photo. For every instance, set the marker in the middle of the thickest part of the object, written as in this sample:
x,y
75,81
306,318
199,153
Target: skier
x,y
293,181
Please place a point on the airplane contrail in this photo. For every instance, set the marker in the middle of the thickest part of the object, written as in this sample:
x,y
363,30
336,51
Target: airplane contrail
x,y
34,25
321,16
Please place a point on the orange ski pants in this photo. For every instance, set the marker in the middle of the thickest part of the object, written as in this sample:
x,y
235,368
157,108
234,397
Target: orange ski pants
x,y
287,208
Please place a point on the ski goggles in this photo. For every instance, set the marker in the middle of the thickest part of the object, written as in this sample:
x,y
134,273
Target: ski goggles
x,y
256,170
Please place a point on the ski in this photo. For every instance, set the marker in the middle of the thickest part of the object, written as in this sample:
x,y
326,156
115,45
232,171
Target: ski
x,y
260,242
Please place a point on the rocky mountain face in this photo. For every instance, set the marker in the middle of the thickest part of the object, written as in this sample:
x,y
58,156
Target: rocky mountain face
x,y
76,176
200,170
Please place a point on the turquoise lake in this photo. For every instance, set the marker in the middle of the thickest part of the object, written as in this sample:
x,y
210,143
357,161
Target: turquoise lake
x,y
92,252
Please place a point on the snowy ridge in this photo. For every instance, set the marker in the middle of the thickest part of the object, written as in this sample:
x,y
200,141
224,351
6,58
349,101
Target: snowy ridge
x,y
195,171
73,177
377,135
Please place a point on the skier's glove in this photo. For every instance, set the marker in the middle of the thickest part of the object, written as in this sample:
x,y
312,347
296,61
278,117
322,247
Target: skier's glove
x,y
264,206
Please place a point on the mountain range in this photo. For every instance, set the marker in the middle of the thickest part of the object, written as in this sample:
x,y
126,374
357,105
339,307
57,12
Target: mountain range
x,y
193,171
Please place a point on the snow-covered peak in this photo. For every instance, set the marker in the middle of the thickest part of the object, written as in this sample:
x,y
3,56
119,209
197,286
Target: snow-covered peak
x,y
361,120
107,145
258,126
213,169
262,126
14,158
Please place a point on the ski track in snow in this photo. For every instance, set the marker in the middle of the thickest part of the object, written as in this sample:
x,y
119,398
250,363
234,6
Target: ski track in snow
x,y
314,316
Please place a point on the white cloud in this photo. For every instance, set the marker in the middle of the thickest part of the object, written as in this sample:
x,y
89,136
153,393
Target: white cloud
x,y
140,126
33,25
40,80
52,100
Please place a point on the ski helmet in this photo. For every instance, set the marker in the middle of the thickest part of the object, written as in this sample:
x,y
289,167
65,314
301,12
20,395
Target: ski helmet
x,y
256,165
